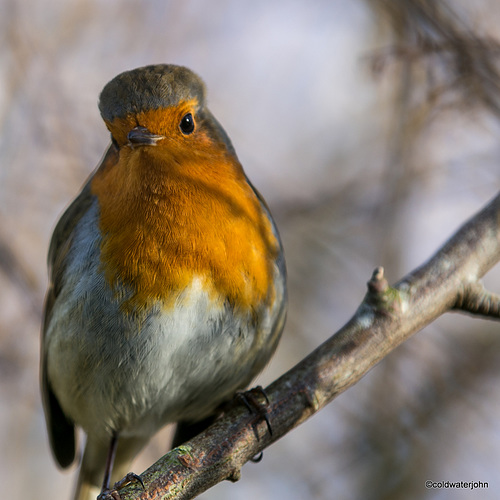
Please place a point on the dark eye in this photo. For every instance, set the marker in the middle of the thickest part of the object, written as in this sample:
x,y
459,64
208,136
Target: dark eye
x,y
187,124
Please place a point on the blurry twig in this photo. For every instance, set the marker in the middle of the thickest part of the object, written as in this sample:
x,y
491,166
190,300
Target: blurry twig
x,y
456,61
16,272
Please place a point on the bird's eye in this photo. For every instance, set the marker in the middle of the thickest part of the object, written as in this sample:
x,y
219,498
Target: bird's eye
x,y
187,124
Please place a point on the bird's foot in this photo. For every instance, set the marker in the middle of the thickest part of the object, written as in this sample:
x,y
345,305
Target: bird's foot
x,y
131,477
250,400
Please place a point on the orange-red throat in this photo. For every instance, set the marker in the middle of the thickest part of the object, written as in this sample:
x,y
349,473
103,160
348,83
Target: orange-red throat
x,y
179,210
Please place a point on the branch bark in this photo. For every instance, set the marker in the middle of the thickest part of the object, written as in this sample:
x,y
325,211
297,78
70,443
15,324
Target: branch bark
x,y
387,316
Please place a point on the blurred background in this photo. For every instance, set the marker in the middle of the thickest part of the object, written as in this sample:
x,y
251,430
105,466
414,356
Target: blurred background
x,y
372,129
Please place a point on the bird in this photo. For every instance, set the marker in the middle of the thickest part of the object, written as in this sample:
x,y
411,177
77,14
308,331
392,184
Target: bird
x,y
167,280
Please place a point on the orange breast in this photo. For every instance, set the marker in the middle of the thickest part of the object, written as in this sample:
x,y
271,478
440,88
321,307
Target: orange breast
x,y
167,218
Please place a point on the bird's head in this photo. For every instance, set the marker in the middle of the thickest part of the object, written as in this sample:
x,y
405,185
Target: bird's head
x,y
164,106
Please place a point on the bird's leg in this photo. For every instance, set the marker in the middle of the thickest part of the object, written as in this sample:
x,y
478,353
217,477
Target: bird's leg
x,y
110,460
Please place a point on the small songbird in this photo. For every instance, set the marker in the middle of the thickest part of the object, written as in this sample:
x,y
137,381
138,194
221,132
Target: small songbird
x,y
167,280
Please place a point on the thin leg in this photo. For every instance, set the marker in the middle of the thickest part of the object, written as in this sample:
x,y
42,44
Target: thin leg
x,y
110,460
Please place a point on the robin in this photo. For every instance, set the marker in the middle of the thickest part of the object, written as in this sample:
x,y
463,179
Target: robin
x,y
167,280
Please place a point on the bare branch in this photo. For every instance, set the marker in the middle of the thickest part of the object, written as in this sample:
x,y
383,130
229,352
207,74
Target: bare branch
x,y
386,318
475,299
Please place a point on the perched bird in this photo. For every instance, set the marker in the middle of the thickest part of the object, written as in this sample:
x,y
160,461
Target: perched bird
x,y
167,279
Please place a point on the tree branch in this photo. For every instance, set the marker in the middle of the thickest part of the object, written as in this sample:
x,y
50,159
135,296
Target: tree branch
x,y
475,299
386,317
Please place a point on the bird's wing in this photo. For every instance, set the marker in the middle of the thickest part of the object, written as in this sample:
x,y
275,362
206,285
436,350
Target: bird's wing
x,y
61,430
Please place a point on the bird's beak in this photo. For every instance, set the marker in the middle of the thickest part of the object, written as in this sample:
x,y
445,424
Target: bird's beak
x,y
141,136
